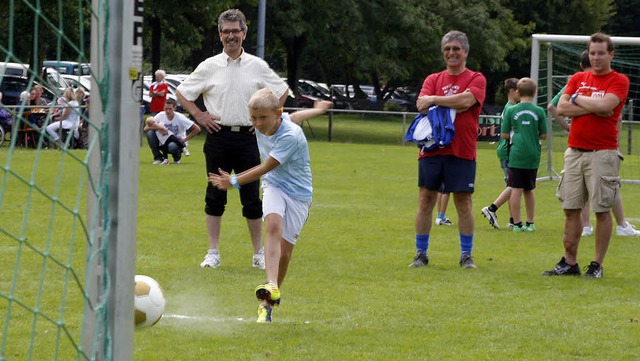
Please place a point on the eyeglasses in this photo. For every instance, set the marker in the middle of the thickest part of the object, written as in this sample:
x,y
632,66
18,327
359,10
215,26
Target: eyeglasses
x,y
231,31
452,48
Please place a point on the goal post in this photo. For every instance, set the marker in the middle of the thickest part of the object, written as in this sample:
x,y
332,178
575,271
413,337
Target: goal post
x,y
554,58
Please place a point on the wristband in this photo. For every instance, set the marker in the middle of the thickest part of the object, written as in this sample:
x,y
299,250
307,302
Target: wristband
x,y
573,98
233,180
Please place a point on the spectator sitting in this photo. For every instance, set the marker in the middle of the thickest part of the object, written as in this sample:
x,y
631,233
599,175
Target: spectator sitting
x,y
69,119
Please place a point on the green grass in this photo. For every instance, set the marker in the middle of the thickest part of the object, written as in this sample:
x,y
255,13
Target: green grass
x,y
349,294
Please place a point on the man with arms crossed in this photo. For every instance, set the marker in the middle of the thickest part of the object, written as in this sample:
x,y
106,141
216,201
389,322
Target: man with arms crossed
x,y
454,165
594,99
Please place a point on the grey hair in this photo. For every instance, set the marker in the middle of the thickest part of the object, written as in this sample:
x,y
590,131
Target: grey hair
x,y
455,35
232,15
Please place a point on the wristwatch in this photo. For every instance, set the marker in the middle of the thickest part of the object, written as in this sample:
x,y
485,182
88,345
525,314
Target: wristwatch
x,y
573,98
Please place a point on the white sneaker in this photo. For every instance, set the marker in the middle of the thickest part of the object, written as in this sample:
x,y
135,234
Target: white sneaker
x,y
258,260
165,161
176,162
186,152
211,259
587,231
629,230
444,222
157,161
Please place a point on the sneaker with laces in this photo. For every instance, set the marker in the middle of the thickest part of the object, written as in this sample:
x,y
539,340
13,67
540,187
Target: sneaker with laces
x,y
587,231
530,227
444,222
629,230
268,292
211,259
491,217
419,260
157,161
563,269
466,261
186,152
258,260
264,313
594,270
517,228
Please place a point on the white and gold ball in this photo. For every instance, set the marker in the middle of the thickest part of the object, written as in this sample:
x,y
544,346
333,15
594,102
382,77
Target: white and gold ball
x,y
149,301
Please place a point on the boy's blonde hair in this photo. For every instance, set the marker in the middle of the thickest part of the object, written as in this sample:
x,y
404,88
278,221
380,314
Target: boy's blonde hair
x,y
264,99
527,87
150,120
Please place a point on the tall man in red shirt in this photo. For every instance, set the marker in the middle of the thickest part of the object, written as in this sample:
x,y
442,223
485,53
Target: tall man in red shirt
x,y
452,166
594,99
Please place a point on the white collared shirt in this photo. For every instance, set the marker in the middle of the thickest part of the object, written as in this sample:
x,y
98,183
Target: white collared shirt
x,y
227,85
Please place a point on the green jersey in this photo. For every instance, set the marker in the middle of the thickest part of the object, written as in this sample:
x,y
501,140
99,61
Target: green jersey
x,y
525,122
556,99
503,144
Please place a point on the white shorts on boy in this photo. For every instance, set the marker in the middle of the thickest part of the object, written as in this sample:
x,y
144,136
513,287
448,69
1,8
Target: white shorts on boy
x,y
294,213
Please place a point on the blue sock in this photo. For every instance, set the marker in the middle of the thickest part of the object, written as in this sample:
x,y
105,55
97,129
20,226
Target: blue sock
x,y
441,215
466,244
422,243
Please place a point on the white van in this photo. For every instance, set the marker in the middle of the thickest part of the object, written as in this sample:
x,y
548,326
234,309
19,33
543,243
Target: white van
x,y
14,69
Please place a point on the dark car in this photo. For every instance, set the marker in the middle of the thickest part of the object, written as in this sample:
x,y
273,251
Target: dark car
x,y
11,87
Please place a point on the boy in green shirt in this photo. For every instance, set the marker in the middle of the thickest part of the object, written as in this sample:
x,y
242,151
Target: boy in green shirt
x,y
524,125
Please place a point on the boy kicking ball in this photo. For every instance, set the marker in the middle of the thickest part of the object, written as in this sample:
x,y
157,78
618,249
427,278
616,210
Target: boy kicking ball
x,y
286,183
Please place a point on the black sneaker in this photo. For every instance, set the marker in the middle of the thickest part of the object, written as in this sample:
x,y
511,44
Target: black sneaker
x,y
467,262
594,270
563,269
419,260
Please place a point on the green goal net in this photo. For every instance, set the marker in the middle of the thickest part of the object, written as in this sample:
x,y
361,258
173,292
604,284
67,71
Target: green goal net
x,y
68,208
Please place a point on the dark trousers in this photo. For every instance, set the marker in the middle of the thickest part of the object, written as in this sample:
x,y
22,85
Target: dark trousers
x,y
232,152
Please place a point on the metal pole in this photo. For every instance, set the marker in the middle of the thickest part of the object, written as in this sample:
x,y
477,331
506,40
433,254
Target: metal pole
x,y
262,14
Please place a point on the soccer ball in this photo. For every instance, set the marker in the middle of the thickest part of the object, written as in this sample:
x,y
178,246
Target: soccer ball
x,y
149,301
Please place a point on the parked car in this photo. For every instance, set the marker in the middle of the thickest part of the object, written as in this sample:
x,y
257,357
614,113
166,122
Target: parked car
x,y
11,87
79,81
68,67
324,92
14,69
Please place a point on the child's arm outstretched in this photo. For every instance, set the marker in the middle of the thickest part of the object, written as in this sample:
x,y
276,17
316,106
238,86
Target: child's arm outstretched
x,y
225,181
319,108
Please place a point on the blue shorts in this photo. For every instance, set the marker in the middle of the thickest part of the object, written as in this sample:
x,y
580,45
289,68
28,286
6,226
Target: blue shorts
x,y
446,173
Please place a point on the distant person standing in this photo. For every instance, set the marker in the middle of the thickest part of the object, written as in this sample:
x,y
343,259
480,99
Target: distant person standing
x,y
158,93
524,125
489,212
452,166
594,99
227,81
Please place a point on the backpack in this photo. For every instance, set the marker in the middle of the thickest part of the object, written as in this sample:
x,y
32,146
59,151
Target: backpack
x,y
434,129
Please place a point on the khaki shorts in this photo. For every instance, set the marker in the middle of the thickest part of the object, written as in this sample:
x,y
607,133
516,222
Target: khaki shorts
x,y
589,175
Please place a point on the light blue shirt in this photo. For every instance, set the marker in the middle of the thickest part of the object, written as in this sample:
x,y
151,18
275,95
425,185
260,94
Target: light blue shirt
x,y
288,146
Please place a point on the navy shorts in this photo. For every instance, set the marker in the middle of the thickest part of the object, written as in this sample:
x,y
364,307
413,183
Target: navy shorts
x,y
447,174
523,178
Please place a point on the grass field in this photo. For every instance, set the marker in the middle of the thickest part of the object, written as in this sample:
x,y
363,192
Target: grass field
x,y
349,294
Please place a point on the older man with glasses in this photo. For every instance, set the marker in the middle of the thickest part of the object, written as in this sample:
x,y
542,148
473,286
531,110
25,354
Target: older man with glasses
x,y
227,81
451,168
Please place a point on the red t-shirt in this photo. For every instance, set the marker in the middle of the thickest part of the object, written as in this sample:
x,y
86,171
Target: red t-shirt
x,y
591,131
466,123
157,102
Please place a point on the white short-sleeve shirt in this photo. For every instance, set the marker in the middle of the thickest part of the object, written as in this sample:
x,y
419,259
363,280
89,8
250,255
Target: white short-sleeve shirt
x,y
227,85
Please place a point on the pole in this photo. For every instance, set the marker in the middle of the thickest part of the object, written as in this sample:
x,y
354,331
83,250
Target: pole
x,y
262,14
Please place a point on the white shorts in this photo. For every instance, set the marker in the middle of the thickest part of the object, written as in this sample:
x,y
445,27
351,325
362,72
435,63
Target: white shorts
x,y
294,213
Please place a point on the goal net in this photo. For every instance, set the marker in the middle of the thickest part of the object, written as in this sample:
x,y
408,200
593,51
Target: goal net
x,y
554,58
68,211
